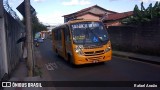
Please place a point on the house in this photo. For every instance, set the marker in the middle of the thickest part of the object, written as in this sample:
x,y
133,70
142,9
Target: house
x,y
115,19
109,18
94,12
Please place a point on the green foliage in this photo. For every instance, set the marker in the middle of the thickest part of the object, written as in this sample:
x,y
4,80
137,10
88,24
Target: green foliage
x,y
38,71
142,7
143,15
36,25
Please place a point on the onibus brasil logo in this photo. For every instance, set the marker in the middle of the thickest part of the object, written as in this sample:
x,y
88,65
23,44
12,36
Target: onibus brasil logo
x,y
21,84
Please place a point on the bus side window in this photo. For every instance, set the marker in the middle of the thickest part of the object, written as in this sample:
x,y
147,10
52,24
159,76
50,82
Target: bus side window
x,y
56,34
67,34
59,34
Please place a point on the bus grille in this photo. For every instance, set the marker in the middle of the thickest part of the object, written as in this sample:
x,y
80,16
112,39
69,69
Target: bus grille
x,y
92,47
92,53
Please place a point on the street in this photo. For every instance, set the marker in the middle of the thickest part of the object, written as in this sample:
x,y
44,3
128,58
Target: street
x,y
118,69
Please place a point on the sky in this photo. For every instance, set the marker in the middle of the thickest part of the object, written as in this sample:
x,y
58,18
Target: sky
x,y
50,12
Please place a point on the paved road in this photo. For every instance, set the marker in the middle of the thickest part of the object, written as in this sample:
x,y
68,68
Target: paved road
x,y
118,69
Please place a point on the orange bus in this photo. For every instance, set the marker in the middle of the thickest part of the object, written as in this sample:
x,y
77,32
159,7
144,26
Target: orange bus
x,y
82,42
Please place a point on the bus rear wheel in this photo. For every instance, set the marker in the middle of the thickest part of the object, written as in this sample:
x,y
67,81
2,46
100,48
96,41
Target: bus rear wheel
x,y
57,53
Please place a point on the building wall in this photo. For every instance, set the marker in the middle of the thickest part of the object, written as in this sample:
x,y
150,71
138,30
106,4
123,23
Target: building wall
x,y
10,31
94,10
13,30
98,11
3,57
89,16
143,40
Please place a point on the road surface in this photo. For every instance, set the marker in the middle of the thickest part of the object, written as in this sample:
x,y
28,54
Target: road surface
x,y
118,69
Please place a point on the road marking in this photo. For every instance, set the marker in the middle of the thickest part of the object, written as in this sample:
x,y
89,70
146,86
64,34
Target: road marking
x,y
54,65
51,66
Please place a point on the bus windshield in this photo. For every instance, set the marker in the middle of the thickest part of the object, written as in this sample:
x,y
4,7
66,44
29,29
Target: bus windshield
x,y
89,33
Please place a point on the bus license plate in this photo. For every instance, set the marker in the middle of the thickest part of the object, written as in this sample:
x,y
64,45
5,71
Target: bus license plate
x,y
95,61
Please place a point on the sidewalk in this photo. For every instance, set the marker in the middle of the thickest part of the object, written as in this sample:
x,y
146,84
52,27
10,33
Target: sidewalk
x,y
20,74
139,57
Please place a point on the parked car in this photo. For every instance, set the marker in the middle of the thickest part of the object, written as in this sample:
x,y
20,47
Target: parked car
x,y
39,40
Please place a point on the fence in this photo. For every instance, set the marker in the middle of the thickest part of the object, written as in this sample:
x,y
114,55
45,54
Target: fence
x,y
143,40
11,30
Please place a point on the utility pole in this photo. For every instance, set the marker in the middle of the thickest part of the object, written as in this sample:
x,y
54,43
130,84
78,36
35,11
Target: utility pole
x,y
29,40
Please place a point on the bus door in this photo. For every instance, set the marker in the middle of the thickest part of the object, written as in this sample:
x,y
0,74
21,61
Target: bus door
x,y
67,41
59,46
63,42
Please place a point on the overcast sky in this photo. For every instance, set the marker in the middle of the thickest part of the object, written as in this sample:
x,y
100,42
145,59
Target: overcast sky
x,y
51,11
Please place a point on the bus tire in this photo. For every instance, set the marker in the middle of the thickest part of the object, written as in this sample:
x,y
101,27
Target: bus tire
x,y
57,53
70,60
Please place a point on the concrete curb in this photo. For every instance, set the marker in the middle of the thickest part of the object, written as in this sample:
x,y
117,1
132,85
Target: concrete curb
x,y
139,57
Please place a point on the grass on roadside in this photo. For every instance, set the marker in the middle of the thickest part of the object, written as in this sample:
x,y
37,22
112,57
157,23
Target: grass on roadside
x,y
38,71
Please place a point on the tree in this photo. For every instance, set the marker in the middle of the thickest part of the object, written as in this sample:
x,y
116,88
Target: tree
x,y
36,25
143,15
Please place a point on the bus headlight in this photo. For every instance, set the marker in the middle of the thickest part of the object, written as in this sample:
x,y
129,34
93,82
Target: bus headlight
x,y
78,51
107,49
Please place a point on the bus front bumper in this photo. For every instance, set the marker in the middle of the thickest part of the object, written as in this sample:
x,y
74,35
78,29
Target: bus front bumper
x,y
80,59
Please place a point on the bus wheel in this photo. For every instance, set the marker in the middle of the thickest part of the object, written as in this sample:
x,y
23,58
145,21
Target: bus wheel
x,y
70,60
57,53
